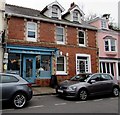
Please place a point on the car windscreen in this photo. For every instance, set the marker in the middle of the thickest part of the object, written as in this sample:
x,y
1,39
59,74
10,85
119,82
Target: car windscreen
x,y
81,78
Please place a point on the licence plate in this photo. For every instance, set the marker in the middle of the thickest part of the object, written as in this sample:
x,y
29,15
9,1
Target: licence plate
x,y
61,91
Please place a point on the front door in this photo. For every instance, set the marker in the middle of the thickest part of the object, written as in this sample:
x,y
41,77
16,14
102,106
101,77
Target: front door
x,y
29,68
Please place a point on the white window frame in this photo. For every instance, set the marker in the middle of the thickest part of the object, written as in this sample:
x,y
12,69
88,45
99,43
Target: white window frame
x,y
83,45
106,69
55,10
109,45
65,66
59,34
35,30
103,24
75,16
88,59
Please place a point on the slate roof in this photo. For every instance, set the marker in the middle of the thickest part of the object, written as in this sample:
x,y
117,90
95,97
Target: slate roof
x,y
36,14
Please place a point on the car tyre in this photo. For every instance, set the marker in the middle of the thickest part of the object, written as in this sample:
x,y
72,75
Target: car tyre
x,y
82,95
19,100
115,91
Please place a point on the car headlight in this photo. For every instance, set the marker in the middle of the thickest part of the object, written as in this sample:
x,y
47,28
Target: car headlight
x,y
71,88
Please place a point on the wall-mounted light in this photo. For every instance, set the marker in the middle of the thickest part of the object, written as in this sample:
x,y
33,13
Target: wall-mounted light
x,y
67,54
61,53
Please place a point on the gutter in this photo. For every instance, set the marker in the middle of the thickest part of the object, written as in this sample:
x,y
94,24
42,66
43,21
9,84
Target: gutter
x,y
49,20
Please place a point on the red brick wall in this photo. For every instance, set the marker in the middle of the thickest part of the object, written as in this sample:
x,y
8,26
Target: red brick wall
x,y
47,32
71,36
47,36
16,28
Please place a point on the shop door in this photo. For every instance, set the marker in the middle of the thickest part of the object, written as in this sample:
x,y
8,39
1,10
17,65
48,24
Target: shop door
x,y
29,68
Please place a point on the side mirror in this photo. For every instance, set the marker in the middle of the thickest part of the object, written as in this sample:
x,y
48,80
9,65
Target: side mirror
x,y
92,81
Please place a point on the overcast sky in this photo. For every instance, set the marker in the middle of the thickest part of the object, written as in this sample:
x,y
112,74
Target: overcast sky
x,y
98,7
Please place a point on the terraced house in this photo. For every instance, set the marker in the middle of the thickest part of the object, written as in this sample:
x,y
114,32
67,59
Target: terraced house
x,y
108,43
45,43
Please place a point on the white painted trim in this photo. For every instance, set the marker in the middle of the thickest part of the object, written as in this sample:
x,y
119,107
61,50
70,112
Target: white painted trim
x,y
31,39
89,61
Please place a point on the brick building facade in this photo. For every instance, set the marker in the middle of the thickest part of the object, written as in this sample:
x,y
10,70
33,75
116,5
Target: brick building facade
x,y
46,43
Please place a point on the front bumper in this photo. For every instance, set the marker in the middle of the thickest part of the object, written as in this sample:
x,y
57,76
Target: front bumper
x,y
66,93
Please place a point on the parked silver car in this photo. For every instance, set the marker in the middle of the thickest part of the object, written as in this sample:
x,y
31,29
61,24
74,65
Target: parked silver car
x,y
14,89
83,85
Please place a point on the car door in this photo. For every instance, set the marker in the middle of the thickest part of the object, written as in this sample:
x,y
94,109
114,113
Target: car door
x,y
106,81
95,88
8,86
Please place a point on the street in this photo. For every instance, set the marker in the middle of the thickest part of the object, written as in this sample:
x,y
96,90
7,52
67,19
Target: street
x,y
55,104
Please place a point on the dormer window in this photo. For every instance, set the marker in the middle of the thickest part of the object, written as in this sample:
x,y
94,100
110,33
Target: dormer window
x,y
103,24
54,11
75,15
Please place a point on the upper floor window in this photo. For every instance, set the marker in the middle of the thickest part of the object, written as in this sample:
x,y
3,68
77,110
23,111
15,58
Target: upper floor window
x,y
81,36
31,31
54,11
61,65
60,35
103,24
110,45
75,15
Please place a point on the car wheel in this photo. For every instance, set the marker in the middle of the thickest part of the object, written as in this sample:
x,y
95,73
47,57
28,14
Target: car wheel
x,y
83,95
115,92
19,100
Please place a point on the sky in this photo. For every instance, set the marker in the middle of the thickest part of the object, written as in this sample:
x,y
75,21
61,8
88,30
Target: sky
x,y
98,7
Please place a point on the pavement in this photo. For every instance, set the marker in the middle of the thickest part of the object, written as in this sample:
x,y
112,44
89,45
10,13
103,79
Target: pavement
x,y
37,90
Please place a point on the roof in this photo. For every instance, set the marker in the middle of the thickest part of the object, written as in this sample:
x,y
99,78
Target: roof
x,y
29,13
22,10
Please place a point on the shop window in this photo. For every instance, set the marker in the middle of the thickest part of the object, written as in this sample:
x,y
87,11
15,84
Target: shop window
x,y
45,63
14,62
107,67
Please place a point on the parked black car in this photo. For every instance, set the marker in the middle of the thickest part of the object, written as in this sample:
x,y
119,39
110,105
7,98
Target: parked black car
x,y
83,85
14,89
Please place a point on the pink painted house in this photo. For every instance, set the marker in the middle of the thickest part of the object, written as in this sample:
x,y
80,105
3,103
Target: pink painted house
x,y
107,41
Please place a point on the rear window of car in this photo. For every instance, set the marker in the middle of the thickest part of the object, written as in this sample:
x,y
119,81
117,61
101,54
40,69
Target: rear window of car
x,y
8,79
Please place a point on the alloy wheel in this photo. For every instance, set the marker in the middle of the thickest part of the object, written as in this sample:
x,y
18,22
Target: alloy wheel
x,y
19,100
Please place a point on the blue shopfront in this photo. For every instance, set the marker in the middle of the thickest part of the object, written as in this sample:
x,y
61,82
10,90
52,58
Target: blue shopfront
x,y
31,62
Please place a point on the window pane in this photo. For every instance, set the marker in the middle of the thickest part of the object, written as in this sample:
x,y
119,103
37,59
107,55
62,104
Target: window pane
x,y
81,41
60,31
112,69
81,37
104,68
108,68
31,34
31,26
82,66
119,68
60,64
60,34
8,79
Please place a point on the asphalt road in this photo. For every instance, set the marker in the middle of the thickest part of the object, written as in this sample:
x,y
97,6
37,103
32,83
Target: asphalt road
x,y
55,104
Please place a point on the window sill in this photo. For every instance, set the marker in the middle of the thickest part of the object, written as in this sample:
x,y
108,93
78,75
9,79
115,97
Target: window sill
x,y
111,53
61,73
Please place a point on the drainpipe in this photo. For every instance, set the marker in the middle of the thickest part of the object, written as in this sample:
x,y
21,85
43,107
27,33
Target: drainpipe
x,y
2,17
